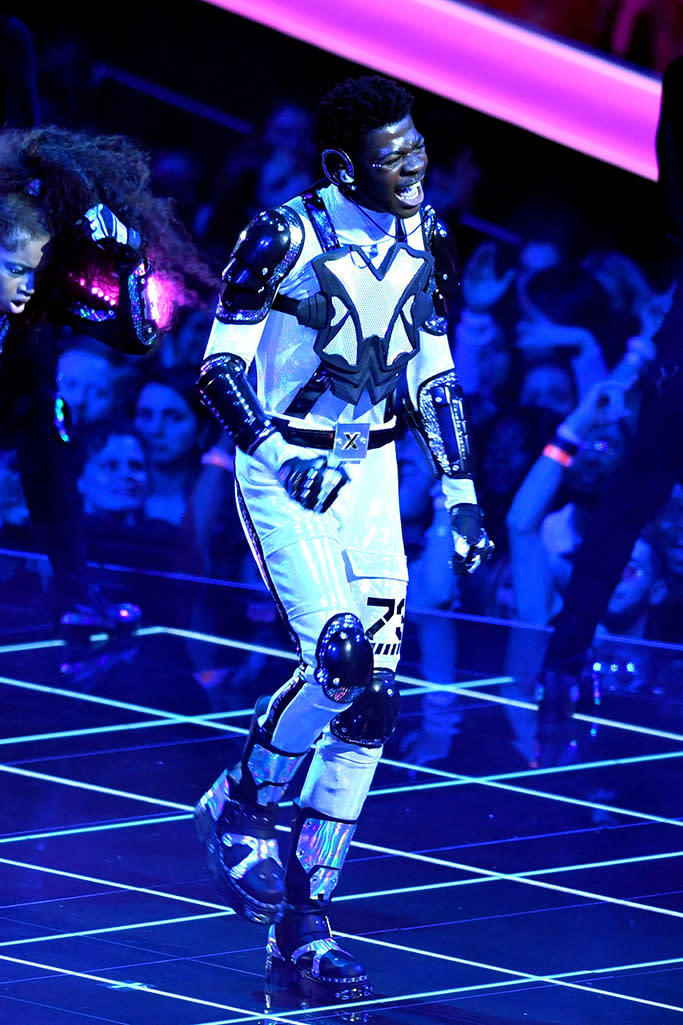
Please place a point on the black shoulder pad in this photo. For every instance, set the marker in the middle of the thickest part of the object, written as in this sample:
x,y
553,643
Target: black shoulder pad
x,y
265,251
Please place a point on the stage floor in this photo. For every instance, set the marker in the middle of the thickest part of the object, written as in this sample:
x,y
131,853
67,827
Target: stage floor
x,y
479,888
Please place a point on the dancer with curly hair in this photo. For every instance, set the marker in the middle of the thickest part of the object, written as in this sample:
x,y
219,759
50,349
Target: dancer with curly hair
x,y
83,242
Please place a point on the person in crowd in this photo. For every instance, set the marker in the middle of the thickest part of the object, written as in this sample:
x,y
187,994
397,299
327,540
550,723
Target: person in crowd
x,y
548,384
654,466
173,423
557,316
482,340
83,242
93,381
191,471
271,165
184,344
113,483
565,313
113,480
507,448
542,536
338,296
640,591
431,583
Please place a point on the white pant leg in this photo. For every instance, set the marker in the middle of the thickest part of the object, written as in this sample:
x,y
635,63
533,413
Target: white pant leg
x,y
349,559
339,777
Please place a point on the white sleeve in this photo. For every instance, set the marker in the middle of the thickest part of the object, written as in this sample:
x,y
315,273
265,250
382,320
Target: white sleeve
x,y
239,339
434,357
457,490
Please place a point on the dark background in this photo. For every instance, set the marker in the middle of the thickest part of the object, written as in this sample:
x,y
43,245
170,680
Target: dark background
x,y
110,66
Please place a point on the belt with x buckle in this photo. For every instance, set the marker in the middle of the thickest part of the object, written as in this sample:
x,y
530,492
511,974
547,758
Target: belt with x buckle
x,y
349,441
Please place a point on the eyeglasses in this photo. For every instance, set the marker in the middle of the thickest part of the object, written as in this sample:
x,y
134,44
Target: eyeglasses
x,y
394,160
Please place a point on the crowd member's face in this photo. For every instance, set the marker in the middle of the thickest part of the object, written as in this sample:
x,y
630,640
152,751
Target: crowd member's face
x,y
632,594
166,422
19,268
390,169
114,480
86,383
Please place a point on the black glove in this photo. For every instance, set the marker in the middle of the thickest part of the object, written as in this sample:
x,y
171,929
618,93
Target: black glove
x,y
104,228
311,482
471,543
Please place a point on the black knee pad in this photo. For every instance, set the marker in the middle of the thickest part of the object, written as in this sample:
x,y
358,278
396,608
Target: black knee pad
x,y
372,718
344,656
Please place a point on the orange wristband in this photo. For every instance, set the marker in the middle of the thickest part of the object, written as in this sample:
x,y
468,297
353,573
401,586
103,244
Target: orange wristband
x,y
558,455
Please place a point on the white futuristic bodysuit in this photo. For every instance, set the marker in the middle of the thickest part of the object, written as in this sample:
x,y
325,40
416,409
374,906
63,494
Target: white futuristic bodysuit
x,y
335,306
349,558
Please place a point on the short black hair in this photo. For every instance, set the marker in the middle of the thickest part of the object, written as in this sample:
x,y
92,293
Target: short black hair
x,y
356,107
94,437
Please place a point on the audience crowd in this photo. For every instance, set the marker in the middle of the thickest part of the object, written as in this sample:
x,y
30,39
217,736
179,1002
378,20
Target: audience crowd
x,y
547,342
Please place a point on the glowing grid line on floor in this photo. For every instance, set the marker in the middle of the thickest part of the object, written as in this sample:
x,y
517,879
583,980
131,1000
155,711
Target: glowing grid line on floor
x,y
99,827
445,780
114,984
452,778
480,876
107,929
464,689
515,977
414,856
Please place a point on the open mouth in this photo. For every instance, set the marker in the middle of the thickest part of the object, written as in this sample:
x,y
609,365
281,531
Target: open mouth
x,y
410,195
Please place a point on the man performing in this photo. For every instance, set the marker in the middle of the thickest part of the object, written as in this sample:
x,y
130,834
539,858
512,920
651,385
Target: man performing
x,y
339,297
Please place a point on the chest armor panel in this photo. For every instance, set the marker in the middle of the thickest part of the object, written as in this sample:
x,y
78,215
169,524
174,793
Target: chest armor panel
x,y
373,317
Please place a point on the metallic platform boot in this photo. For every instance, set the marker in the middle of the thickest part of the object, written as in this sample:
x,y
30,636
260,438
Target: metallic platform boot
x,y
236,822
301,949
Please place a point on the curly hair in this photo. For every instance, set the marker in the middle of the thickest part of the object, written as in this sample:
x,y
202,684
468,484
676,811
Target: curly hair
x,y
357,106
50,176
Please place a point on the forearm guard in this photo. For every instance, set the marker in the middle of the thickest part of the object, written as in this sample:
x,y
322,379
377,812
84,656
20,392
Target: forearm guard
x,y
138,303
440,426
225,389
117,313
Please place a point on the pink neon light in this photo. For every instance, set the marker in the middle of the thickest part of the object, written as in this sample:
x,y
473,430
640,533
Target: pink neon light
x,y
572,97
164,297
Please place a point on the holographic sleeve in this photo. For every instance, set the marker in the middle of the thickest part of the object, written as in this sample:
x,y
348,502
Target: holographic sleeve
x,y
118,309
